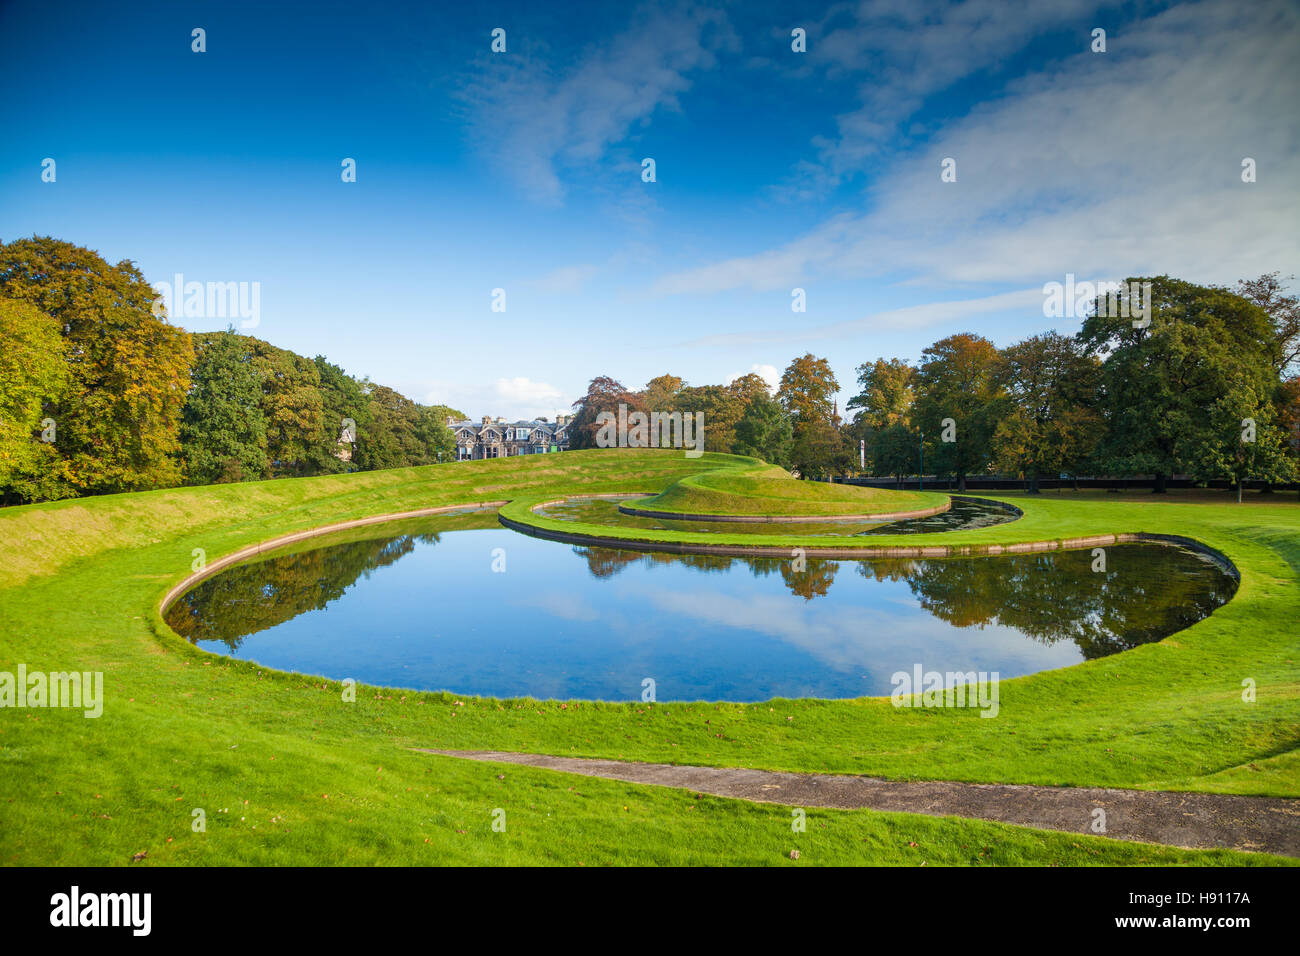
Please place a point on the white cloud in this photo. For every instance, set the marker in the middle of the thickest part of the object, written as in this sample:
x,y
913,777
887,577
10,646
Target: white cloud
x,y
537,122
1115,164
513,398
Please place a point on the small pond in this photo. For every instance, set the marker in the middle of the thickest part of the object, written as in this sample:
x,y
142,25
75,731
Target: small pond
x,y
461,604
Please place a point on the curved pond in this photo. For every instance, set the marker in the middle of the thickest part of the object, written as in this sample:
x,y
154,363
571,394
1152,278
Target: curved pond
x,y
963,515
460,604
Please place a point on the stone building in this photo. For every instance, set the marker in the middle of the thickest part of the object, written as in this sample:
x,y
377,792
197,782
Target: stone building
x,y
498,438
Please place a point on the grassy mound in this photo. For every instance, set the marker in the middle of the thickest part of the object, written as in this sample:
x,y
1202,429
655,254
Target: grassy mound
x,y
772,492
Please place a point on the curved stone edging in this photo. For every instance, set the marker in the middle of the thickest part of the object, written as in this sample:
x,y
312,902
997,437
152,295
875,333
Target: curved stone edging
x,y
786,519
224,562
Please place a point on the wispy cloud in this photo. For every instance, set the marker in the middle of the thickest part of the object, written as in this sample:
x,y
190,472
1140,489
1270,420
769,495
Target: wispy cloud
x,y
538,121
910,317
1121,163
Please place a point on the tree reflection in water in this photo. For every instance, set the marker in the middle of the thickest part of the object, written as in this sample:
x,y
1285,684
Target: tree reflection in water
x,y
1146,593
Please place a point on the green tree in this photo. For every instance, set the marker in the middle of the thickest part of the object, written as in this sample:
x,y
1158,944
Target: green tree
x,y
118,421
896,452
33,377
344,407
1283,310
293,406
223,429
1049,425
1177,385
764,431
958,399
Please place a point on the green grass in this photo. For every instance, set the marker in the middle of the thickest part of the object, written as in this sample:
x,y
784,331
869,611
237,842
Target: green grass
x,y
328,782
770,491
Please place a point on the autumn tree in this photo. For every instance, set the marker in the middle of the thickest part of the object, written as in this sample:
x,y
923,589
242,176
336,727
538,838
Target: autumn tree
x,y
33,377
118,420
661,393
807,394
887,389
604,394
957,404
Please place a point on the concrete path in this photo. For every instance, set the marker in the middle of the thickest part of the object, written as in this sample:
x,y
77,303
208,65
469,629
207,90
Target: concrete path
x,y
1193,820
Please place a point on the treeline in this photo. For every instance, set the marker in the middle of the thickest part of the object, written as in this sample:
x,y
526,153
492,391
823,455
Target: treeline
x,y
1204,386
100,394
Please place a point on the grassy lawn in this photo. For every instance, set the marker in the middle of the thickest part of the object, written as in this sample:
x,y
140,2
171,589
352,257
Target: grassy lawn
x,y
287,772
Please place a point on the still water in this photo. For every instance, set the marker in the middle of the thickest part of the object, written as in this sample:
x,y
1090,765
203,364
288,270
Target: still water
x,y
425,609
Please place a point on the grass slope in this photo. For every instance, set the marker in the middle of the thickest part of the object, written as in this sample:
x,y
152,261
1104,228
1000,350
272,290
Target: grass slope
x,y
286,772
772,492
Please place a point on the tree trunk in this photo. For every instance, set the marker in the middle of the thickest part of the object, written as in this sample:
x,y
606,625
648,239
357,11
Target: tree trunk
x,y
1239,484
1032,479
1160,488
961,482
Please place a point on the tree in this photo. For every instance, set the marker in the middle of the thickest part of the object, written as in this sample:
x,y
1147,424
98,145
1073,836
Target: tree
x,y
292,404
896,452
431,429
722,408
33,377
764,431
604,394
344,406
661,393
1235,447
118,421
1172,384
1049,425
223,429
749,386
1284,312
957,403
399,433
807,393
888,389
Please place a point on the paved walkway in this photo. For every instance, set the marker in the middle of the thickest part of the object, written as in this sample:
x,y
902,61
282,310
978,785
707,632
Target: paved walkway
x,y
1194,820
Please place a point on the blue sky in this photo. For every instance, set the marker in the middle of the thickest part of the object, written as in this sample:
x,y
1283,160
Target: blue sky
x,y
775,170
